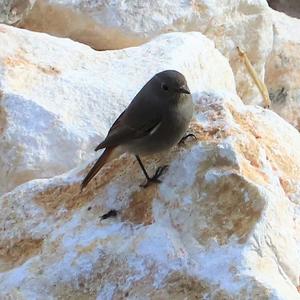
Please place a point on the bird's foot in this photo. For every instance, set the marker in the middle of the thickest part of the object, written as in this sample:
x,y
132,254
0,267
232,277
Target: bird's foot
x,y
155,178
185,137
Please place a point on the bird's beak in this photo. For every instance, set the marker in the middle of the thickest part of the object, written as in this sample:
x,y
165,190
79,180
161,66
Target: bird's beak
x,y
184,90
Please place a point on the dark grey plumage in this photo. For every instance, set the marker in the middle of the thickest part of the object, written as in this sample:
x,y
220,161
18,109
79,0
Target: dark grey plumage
x,y
155,120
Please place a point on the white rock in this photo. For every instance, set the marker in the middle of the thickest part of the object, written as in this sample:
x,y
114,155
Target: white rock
x,y
115,24
224,224
283,68
59,97
13,11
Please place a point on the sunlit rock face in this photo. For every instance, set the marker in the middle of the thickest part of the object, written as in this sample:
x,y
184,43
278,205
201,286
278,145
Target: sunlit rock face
x,y
223,224
14,11
283,68
59,98
118,24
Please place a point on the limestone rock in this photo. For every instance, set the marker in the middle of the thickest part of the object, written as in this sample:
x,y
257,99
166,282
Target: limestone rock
x,y
59,97
14,11
224,224
115,24
283,68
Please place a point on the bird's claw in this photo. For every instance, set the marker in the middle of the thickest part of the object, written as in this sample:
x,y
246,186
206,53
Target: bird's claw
x,y
160,171
185,137
155,178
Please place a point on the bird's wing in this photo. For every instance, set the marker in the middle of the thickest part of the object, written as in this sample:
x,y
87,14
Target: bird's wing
x,y
125,129
142,115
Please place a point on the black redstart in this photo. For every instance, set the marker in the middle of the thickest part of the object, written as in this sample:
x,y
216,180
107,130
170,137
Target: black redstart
x,y
155,120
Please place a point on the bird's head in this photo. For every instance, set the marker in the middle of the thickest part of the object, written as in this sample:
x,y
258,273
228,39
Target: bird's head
x,y
171,83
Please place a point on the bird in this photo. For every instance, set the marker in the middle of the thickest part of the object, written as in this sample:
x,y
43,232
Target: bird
x,y
155,121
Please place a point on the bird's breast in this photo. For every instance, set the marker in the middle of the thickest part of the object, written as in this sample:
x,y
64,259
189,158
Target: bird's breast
x,y
167,133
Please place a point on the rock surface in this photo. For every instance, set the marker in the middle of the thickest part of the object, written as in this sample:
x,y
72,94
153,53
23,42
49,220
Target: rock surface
x,y
14,11
283,68
59,98
116,24
224,224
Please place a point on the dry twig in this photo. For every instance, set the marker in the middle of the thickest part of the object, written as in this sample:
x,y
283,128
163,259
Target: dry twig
x,y
261,86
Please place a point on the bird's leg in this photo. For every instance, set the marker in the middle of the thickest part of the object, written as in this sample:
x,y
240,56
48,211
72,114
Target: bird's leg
x,y
155,177
185,137
142,167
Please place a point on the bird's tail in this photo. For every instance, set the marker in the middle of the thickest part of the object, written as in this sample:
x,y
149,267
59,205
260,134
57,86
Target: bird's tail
x,y
106,156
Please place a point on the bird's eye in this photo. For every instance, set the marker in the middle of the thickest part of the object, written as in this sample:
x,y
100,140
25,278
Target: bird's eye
x,y
164,87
